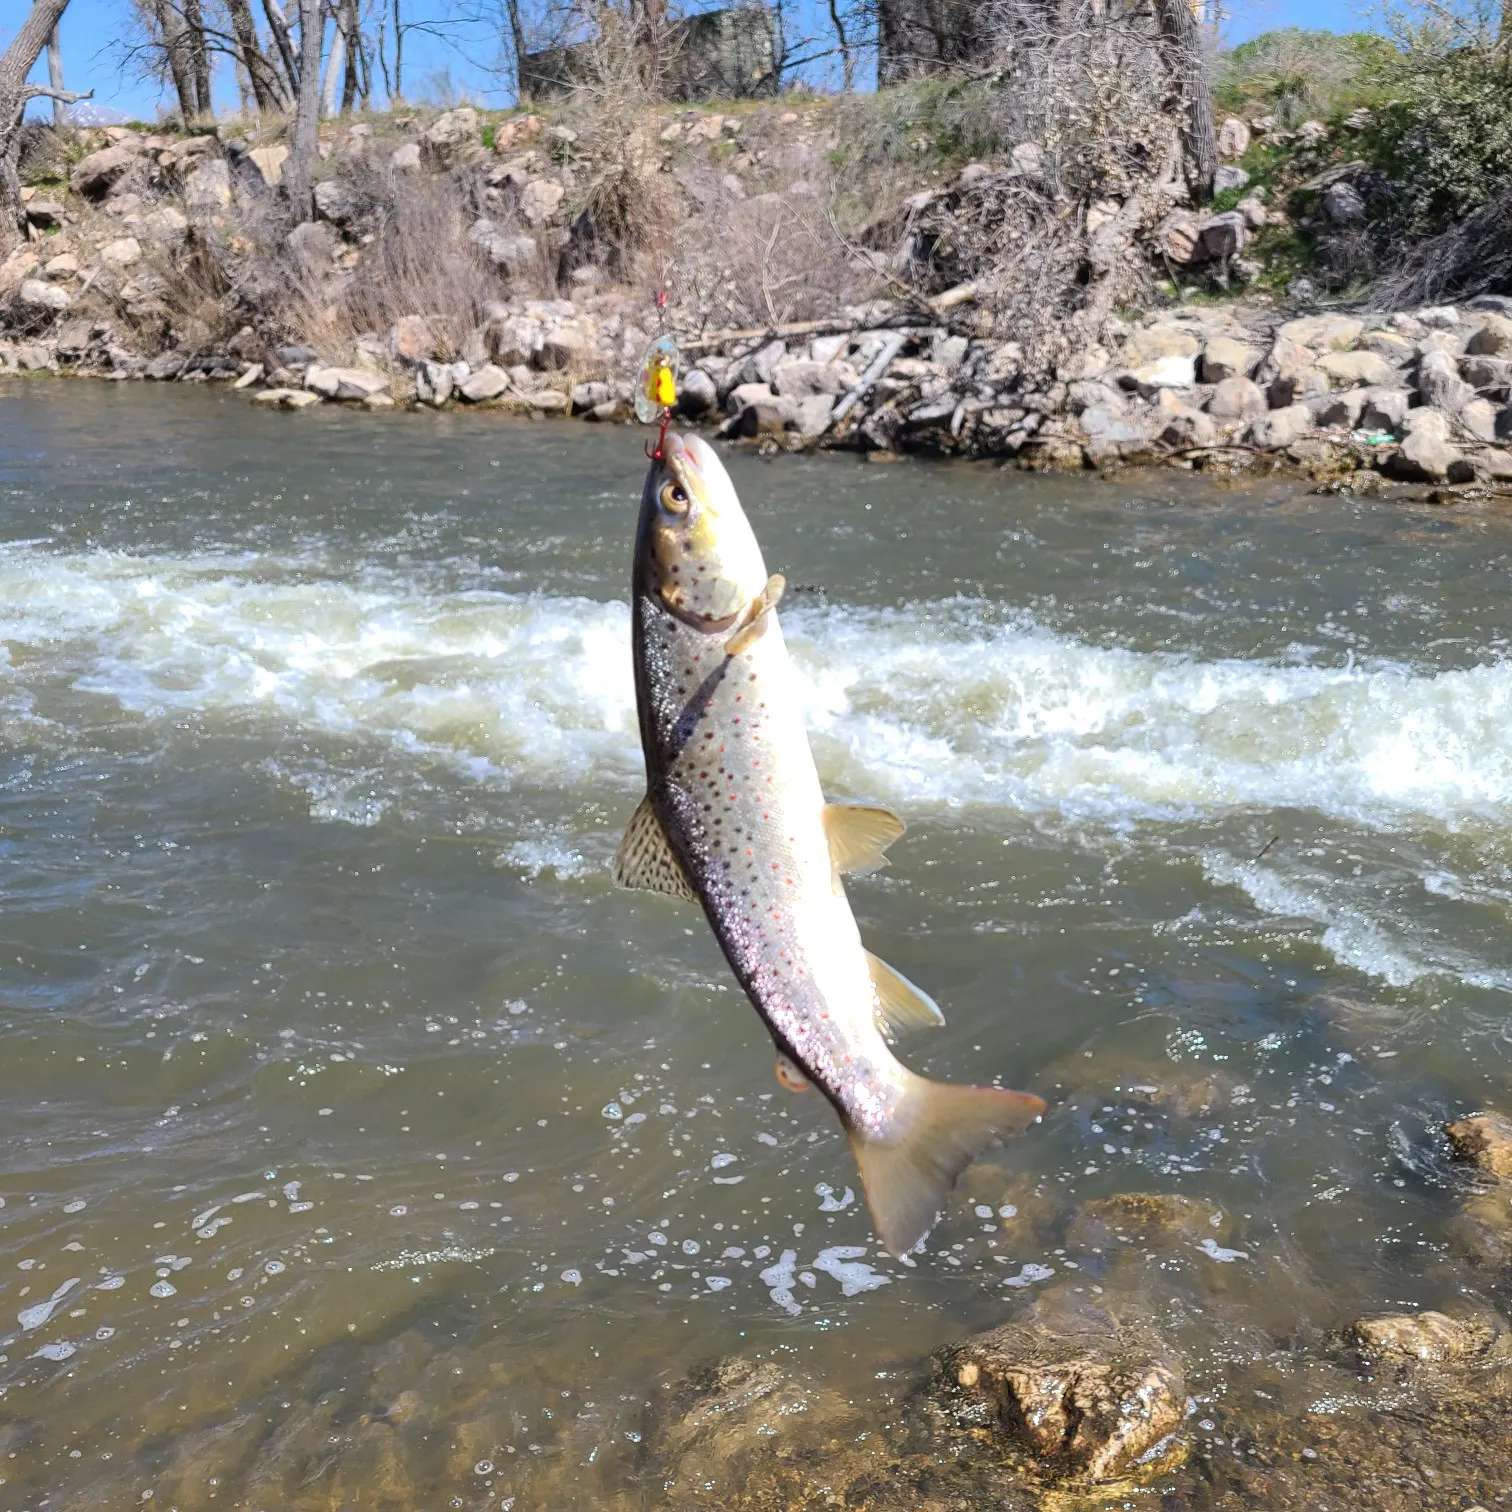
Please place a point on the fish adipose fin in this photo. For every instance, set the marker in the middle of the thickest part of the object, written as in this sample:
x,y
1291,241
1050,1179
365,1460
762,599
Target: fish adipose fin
x,y
755,617
644,860
859,835
939,1129
901,1005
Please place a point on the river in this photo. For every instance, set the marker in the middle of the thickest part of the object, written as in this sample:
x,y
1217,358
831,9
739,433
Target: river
x,y
341,1087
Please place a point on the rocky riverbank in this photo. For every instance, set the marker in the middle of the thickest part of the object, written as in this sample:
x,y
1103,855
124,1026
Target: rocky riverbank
x,y
147,225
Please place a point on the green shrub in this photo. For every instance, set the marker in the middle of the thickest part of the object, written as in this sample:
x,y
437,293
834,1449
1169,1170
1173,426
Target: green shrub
x,y
1445,138
1298,75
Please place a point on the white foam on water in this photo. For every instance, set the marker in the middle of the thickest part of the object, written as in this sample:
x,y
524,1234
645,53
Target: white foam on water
x,y
934,704
1359,928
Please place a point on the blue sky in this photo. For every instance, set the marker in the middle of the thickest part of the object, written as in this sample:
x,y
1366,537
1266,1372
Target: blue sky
x,y
95,37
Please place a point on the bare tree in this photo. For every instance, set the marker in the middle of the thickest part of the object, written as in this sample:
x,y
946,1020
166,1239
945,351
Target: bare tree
x,y
197,54
299,172
55,78
267,88
16,63
847,54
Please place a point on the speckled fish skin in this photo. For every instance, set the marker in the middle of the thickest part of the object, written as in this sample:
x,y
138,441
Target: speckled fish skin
x,y
732,783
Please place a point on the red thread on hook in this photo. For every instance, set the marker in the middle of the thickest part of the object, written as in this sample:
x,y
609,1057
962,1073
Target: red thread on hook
x,y
661,438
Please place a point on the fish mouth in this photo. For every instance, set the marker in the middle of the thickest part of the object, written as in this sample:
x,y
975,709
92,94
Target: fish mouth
x,y
682,462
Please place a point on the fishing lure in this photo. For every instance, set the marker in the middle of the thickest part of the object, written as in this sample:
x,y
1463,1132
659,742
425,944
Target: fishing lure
x,y
656,392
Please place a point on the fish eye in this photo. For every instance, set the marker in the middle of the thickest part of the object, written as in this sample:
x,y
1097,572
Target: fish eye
x,y
674,498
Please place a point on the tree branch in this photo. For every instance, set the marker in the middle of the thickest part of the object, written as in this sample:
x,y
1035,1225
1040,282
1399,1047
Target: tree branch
x,y
46,92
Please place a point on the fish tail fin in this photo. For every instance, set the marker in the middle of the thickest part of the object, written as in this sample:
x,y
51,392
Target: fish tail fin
x,y
940,1128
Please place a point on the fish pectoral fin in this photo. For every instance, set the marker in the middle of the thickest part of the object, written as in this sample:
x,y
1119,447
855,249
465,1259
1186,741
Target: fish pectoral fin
x,y
859,835
939,1128
754,620
901,1005
644,859
789,1076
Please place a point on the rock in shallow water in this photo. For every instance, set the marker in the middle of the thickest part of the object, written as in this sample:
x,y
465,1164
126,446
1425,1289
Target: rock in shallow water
x,y
1425,1338
1085,1403
1485,1140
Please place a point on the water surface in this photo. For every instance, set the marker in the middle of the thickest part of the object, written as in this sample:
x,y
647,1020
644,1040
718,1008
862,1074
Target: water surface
x,y
342,1092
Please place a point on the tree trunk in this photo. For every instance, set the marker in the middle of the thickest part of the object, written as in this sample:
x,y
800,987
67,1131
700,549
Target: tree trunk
x,y
1181,43
517,40
333,67
197,56
351,84
397,98
847,62
261,74
299,171
15,63
280,29
55,78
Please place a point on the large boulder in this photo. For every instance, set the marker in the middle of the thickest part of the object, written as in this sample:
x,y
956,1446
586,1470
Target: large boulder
x,y
1280,427
1224,236
1479,418
208,187
1112,435
1149,343
796,378
1489,376
1348,369
1385,409
454,130
1233,138
1494,339
1440,384
121,253
1427,455
37,294
697,394
540,199
1223,357
269,161
1237,399
344,383
489,382
1164,372
95,175
337,200
1179,425
1323,332
1343,204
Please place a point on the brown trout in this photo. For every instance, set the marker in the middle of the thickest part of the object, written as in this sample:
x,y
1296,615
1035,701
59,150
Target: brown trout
x,y
735,820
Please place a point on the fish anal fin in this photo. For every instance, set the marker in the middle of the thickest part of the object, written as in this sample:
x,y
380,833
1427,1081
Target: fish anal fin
x,y
939,1129
645,861
901,1005
755,616
859,834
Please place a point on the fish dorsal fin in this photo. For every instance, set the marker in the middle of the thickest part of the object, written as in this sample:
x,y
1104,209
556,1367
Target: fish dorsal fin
x,y
901,1005
644,859
859,835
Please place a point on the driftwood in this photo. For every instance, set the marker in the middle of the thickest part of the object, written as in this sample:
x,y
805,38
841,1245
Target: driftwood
x,y
879,365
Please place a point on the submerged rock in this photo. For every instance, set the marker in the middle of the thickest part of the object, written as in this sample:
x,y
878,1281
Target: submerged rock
x,y
1424,1338
1485,1140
